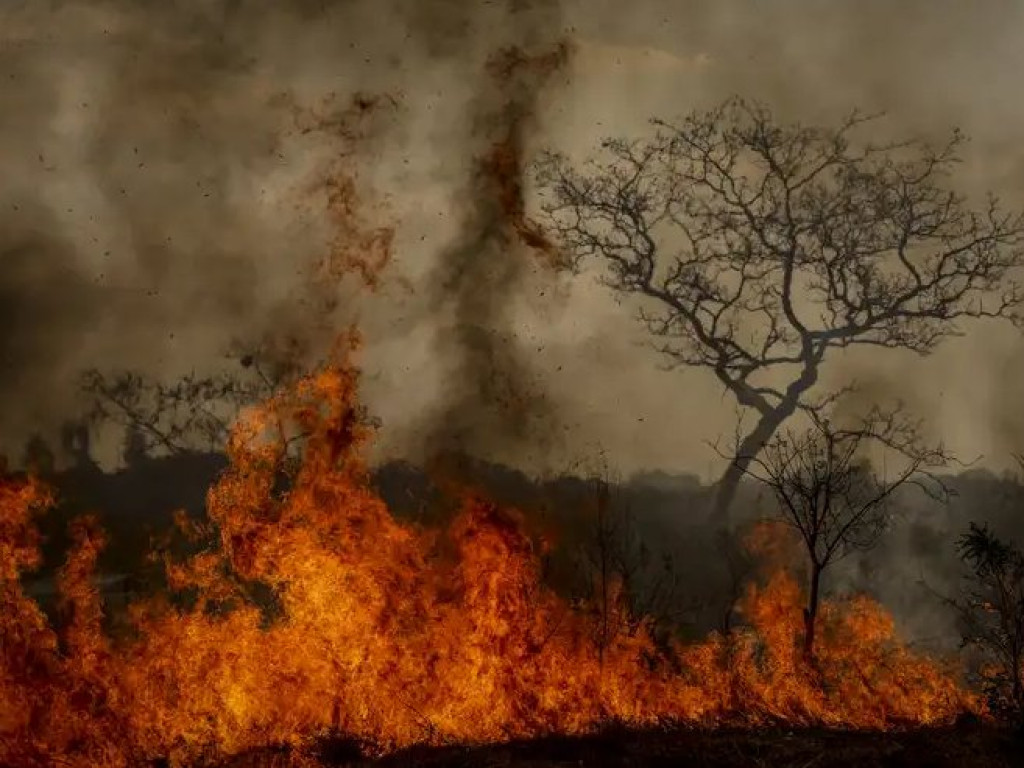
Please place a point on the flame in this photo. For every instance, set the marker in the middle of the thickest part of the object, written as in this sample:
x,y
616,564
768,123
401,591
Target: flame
x,y
392,634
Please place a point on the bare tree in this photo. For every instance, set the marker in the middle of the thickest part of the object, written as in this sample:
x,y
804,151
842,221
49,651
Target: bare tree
x,y
757,247
163,418
193,412
827,492
992,613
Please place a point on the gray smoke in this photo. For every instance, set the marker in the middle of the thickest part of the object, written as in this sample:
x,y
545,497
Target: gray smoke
x,y
156,205
159,202
151,190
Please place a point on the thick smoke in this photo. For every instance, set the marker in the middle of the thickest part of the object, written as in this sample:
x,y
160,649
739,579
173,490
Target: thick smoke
x,y
493,399
159,201
149,194
149,199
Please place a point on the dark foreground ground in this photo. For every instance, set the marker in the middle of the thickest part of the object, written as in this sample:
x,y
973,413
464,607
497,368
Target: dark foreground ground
x,y
965,746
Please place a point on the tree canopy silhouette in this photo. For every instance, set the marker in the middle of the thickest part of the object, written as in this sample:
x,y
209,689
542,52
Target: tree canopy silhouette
x,y
831,497
992,613
758,247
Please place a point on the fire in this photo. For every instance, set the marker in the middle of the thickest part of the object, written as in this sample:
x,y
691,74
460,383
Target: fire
x,y
391,634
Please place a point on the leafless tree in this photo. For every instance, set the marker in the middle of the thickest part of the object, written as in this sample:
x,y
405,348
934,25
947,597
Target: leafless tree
x,y
757,247
992,613
827,492
193,412
162,418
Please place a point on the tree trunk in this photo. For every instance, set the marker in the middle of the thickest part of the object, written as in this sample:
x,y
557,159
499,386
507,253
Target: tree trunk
x,y
811,611
749,447
604,574
1018,688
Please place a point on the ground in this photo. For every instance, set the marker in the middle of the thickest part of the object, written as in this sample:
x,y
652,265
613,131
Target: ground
x,y
964,746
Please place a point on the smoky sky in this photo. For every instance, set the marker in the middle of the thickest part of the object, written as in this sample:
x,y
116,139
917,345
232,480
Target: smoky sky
x,y
154,207
928,66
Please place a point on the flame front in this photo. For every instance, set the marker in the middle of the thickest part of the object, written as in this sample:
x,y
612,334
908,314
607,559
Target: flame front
x,y
391,634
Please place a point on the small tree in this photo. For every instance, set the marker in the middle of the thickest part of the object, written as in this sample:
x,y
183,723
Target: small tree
x,y
193,412
992,613
827,492
758,248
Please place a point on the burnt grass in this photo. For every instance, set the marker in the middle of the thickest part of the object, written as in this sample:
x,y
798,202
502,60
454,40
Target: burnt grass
x,y
966,745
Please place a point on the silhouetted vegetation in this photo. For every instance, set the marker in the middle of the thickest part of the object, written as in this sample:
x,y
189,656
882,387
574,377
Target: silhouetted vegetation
x,y
828,493
992,613
758,248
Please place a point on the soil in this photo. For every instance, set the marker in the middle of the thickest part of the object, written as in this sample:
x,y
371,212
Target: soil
x,y
963,746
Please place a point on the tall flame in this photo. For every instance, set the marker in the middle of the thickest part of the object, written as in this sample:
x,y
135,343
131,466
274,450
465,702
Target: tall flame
x,y
392,634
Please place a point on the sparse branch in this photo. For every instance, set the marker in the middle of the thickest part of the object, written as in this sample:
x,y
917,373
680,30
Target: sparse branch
x,y
826,490
191,412
755,247
168,418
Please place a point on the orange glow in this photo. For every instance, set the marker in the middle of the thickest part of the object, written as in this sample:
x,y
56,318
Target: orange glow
x,y
393,634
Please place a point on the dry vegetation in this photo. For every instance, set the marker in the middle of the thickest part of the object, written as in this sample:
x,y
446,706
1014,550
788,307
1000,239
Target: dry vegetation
x,y
396,635
307,625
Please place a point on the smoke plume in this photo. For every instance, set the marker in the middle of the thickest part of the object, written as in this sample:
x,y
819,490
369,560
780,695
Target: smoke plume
x,y
157,203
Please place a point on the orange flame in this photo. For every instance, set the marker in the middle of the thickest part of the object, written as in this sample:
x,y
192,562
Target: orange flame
x,y
391,634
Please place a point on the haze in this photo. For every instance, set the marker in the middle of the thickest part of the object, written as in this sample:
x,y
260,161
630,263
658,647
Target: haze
x,y
153,209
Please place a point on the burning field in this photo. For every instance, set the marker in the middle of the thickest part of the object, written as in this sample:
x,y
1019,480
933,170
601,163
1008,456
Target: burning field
x,y
301,619
390,635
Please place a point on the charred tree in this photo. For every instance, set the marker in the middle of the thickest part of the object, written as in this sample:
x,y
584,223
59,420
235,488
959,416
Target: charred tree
x,y
826,491
756,248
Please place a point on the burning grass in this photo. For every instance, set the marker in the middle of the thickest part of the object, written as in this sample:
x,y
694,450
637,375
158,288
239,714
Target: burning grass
x,y
392,635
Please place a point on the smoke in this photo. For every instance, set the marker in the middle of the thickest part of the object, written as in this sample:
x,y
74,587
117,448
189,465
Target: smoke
x,y
149,195
492,402
41,304
159,201
156,199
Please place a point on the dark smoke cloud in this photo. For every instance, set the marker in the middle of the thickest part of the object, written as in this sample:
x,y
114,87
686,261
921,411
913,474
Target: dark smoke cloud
x,y
494,399
123,240
156,201
156,169
43,306
151,182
